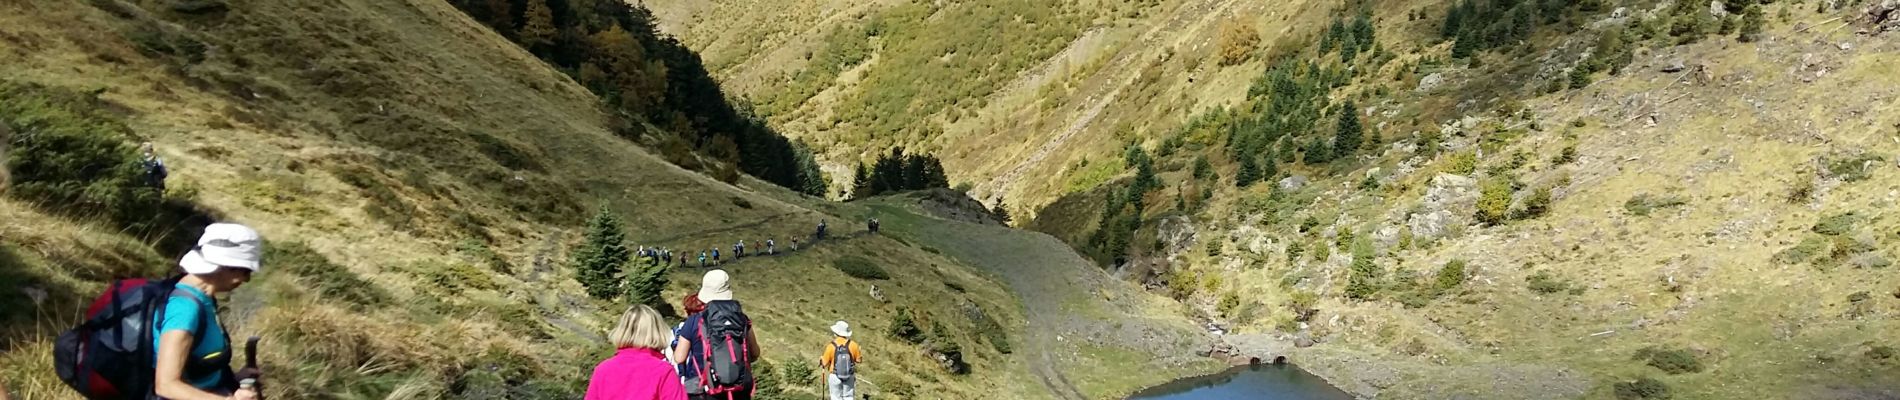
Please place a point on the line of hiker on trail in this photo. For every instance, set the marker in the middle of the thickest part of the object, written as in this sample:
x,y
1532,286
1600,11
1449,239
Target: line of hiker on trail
x,y
712,258
708,355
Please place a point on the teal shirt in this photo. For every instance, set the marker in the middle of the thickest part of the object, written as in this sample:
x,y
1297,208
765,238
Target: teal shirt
x,y
184,314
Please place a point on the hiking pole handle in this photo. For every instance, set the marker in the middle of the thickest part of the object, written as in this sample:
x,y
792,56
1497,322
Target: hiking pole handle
x,y
251,375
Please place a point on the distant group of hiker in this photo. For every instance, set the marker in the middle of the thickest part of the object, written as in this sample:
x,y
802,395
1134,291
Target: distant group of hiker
x,y
708,355
711,257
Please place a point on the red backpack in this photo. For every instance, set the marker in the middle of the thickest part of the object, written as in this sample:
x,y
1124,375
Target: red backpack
x,y
109,355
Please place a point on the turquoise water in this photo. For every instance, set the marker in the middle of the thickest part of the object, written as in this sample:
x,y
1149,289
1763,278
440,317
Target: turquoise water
x,y
1254,382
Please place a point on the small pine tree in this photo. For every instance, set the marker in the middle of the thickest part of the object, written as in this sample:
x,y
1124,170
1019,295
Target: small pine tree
x,y
1249,172
1350,134
1001,212
861,183
904,327
598,261
1752,21
1202,168
644,283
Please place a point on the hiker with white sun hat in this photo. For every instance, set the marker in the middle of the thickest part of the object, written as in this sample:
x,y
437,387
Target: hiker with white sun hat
x,y
192,350
840,363
718,345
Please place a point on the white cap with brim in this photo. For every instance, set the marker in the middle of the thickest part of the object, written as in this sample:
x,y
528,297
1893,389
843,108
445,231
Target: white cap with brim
x,y
716,286
225,246
841,329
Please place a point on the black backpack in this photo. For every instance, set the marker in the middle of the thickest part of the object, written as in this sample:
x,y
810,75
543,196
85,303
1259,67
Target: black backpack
x,y
726,363
109,356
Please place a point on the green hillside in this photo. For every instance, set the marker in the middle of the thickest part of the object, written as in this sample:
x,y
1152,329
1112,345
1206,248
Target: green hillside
x,y
422,181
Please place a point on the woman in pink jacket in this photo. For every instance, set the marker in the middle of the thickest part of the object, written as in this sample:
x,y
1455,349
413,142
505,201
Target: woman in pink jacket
x,y
637,371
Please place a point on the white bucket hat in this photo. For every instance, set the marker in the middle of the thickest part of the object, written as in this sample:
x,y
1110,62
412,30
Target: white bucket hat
x,y
716,286
225,246
841,329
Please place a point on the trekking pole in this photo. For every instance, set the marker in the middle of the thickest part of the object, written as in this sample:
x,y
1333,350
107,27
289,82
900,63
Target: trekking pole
x,y
250,376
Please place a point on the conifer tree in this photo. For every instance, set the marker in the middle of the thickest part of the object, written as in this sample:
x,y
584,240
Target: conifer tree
x,y
599,259
1347,139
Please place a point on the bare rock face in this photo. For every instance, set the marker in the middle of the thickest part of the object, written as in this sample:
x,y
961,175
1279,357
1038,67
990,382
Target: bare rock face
x,y
1178,234
1429,82
1292,183
1446,207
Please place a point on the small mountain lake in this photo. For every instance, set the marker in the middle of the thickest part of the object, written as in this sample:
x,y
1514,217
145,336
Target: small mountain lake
x,y
1250,382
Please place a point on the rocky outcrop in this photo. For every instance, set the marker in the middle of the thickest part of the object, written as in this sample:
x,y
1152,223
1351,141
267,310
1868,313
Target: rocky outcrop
x,y
1445,209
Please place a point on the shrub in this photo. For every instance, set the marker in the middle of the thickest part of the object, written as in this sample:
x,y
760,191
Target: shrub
x,y
1565,156
1644,204
1543,282
1752,21
798,373
1641,389
333,282
453,276
904,326
1837,224
1363,281
860,267
69,156
1228,303
1853,168
1462,163
1802,252
1535,206
1237,41
1881,353
480,252
1494,202
1451,275
949,352
1304,305
1672,361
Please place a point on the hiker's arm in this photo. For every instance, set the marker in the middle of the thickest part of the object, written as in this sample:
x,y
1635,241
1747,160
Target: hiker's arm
x,y
752,345
682,350
174,346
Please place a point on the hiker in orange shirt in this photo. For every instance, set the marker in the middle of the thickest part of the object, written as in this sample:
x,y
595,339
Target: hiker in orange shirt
x,y
840,363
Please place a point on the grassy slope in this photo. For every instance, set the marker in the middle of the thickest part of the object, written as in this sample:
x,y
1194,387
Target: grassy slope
x,y
1733,146
396,88
1761,328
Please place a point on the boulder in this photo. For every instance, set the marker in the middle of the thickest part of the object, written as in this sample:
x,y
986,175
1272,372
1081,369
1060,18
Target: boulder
x,y
1447,205
1674,66
1429,82
1717,10
1292,183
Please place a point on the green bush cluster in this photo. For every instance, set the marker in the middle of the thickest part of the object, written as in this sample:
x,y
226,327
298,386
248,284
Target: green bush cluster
x,y
1543,282
69,156
1669,360
453,276
1451,275
904,327
860,267
1645,204
1641,389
